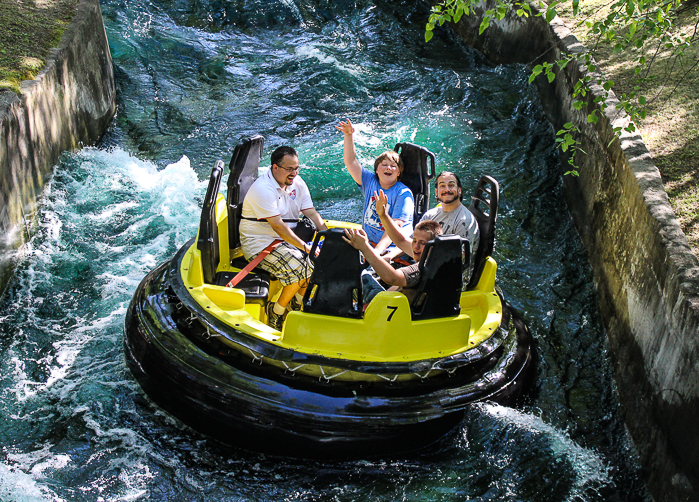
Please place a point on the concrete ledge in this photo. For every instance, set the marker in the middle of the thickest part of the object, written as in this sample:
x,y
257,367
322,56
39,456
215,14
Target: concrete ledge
x,y
70,103
647,276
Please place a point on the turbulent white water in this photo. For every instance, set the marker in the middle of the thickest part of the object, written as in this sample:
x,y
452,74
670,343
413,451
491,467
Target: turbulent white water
x,y
193,77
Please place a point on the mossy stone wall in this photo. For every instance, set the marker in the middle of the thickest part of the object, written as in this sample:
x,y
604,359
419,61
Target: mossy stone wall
x,y
70,104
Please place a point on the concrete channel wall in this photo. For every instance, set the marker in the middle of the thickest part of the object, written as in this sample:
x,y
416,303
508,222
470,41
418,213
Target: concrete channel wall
x,y
70,104
647,277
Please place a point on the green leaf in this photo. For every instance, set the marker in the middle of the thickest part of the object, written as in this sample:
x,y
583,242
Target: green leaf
x,y
578,105
642,100
536,71
550,14
428,36
592,118
632,29
484,25
608,85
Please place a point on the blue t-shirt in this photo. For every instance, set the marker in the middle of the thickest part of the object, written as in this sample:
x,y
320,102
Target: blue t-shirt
x,y
401,205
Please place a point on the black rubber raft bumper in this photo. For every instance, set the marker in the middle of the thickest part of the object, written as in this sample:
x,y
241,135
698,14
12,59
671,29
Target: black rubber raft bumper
x,y
174,351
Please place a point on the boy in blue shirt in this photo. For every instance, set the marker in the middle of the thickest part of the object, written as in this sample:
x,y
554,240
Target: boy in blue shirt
x,y
388,169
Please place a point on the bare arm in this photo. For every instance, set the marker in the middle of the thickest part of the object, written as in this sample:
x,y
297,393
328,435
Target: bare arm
x,y
349,154
385,240
357,238
286,233
391,255
315,218
392,230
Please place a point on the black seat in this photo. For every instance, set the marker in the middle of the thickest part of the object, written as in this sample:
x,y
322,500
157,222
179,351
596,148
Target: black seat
x,y
417,174
336,280
244,165
484,206
441,267
255,284
207,242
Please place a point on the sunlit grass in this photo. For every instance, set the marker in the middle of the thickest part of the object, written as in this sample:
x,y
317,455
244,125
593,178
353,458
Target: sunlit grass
x,y
29,29
671,128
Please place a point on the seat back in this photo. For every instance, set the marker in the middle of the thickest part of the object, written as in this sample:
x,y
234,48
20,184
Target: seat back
x,y
441,268
336,283
207,241
418,171
484,206
243,172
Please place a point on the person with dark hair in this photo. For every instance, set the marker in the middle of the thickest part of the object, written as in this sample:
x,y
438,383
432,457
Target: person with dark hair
x,y
454,217
271,208
388,169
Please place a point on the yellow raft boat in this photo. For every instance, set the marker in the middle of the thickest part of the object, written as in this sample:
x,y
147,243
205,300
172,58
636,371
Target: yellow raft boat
x,y
338,381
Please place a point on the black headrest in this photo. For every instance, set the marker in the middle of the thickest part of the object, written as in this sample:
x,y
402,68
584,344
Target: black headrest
x,y
484,206
418,170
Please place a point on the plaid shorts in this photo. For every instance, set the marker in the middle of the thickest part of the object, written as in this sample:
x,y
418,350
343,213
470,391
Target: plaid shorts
x,y
288,264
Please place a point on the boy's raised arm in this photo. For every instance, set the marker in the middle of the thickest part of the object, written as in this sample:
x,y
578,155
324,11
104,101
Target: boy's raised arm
x,y
349,154
358,240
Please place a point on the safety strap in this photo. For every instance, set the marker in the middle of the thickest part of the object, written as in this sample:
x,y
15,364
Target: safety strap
x,y
264,220
245,271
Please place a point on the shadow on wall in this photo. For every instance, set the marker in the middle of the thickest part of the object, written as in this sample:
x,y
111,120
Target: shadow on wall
x,y
71,103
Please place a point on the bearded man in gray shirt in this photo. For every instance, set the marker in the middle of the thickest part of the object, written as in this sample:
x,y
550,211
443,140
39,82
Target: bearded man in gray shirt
x,y
452,215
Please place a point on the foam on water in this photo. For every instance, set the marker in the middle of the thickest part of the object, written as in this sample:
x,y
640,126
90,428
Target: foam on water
x,y
311,51
526,432
16,486
95,193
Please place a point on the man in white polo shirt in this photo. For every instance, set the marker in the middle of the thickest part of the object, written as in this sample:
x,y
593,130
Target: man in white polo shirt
x,y
271,207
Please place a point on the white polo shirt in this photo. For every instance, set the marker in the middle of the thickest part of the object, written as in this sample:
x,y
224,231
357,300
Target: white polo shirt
x,y
266,199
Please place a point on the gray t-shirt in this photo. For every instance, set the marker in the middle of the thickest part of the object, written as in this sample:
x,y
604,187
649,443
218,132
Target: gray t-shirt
x,y
460,222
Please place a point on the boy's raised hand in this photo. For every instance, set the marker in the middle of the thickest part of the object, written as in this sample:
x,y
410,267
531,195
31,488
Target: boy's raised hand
x,y
381,203
357,238
346,127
